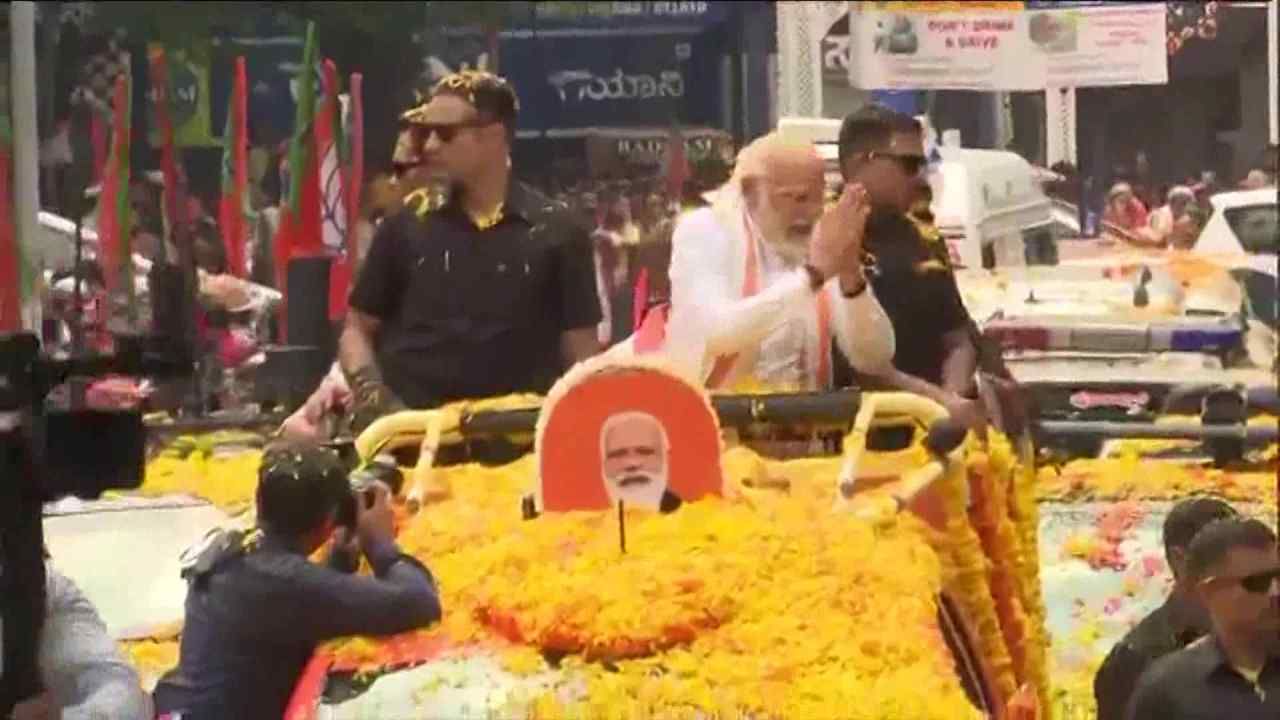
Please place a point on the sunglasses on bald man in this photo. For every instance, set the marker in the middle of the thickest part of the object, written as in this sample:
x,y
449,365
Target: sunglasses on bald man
x,y
1255,583
909,164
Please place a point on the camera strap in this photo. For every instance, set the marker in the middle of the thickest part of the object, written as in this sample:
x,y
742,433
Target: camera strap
x,y
218,547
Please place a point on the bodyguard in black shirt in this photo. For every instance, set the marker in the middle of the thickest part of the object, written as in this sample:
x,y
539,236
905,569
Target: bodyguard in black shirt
x,y
1233,673
935,357
493,292
1179,622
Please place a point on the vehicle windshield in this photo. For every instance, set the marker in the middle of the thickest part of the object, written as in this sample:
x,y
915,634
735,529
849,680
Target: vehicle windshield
x,y
1255,226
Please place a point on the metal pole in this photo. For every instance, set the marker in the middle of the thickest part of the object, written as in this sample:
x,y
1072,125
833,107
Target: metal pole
x,y
26,137
1150,430
1273,59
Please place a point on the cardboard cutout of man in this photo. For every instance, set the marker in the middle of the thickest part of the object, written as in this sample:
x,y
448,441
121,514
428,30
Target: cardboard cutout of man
x,y
634,454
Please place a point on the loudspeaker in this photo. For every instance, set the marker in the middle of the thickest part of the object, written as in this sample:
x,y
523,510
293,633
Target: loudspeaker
x,y
169,318
307,316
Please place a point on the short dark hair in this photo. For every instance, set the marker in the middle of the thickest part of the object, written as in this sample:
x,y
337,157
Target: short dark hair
x,y
1190,517
870,127
299,486
1212,544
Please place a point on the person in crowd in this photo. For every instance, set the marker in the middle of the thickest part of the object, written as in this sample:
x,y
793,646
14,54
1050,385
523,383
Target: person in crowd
x,y
491,293
1124,209
1234,671
763,280
257,607
1255,180
1181,620
84,675
1164,220
935,355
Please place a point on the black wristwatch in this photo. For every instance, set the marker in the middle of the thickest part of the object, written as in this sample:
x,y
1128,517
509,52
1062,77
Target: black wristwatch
x,y
816,280
861,289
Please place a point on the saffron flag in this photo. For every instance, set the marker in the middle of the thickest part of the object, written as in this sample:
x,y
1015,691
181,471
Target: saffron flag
x,y
114,221
234,213
353,180
299,233
161,96
15,276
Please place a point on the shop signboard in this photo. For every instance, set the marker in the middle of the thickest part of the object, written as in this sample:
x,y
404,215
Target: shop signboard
x,y
1005,46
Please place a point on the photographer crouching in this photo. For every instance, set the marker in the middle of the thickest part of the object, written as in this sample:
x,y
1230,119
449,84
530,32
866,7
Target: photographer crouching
x,y
257,607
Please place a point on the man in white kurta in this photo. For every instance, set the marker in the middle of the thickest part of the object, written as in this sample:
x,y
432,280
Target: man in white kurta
x,y
763,280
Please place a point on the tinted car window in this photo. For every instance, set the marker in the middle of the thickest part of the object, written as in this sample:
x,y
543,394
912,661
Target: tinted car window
x,y
1260,294
1255,226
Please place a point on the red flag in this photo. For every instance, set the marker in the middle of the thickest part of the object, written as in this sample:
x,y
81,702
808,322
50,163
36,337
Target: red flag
x,y
14,283
299,231
640,299
353,179
234,205
164,124
677,165
114,221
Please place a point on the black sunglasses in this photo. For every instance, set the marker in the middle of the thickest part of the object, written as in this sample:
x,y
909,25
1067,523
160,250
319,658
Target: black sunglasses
x,y
1256,583
446,131
910,164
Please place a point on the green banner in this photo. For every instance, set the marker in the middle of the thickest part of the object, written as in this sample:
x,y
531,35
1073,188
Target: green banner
x,y
188,97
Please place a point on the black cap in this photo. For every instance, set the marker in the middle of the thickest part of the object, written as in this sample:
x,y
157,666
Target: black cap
x,y
491,96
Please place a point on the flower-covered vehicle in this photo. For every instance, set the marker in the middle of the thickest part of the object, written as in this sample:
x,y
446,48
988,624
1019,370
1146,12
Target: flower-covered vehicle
x,y
916,595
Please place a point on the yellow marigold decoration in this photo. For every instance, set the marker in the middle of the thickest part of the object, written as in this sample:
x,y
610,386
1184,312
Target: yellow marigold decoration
x,y
1134,478
816,610
151,658
1025,512
226,477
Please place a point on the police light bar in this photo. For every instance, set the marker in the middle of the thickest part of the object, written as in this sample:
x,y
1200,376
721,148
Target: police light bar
x,y
1169,336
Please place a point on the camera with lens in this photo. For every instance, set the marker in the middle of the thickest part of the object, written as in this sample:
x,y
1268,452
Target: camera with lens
x,y
381,469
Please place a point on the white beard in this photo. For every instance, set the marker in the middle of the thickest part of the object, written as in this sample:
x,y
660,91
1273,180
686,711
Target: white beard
x,y
647,494
792,254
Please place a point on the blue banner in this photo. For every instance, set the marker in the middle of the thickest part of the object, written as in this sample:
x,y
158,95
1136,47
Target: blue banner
x,y
570,83
906,102
548,15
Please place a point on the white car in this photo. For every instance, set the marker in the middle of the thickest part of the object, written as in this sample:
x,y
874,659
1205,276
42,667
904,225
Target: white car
x,y
1244,229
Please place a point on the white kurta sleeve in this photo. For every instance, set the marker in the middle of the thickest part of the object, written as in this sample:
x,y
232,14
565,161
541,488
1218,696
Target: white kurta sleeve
x,y
80,662
702,292
863,330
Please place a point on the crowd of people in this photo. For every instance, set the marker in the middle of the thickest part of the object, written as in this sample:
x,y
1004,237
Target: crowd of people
x,y
490,288
1170,216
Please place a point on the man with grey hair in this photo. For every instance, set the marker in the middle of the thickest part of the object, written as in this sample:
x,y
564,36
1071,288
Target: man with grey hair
x,y
634,454
1165,218
764,284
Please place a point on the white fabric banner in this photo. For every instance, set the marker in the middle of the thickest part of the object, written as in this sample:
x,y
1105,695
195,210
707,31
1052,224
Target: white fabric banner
x,y
1118,44
997,46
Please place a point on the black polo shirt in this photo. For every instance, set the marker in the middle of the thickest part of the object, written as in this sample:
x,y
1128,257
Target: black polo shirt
x,y
918,293
1198,683
470,313
1169,628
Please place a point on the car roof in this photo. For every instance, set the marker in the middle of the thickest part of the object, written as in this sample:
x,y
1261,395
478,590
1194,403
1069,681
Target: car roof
x,y
1244,198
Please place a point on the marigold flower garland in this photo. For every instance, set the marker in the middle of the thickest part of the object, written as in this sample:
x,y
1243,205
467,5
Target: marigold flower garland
x,y
814,608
